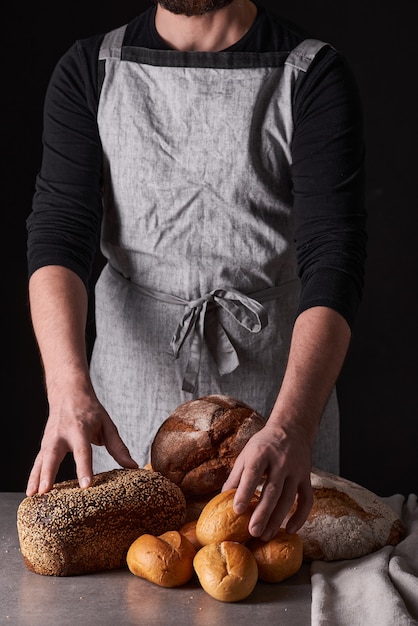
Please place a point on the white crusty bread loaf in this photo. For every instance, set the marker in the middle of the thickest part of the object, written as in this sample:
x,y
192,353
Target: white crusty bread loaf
x,y
198,443
70,531
346,521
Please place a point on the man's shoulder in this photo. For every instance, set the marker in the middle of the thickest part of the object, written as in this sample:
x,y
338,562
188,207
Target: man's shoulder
x,y
273,33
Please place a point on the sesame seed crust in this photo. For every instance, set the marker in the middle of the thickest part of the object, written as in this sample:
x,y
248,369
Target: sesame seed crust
x,y
71,531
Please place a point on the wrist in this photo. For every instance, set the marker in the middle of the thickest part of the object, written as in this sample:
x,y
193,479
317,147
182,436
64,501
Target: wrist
x,y
294,421
68,379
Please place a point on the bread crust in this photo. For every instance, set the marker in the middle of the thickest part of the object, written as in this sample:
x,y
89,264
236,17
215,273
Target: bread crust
x,y
198,443
189,531
227,570
166,560
346,521
70,531
219,522
279,558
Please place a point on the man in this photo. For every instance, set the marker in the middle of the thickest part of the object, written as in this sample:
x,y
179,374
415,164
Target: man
x,y
227,151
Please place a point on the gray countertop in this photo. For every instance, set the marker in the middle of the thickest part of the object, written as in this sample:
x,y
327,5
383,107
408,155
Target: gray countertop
x,y
118,598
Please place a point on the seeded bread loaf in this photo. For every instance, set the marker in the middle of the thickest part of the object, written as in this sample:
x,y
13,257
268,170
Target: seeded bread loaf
x,y
70,531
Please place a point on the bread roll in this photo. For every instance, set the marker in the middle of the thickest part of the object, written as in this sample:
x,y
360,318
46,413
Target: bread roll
x,y
346,521
166,560
198,443
279,558
70,530
227,570
189,531
219,522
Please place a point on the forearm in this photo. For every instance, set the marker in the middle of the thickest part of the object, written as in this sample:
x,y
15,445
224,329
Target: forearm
x,y
319,345
280,454
58,303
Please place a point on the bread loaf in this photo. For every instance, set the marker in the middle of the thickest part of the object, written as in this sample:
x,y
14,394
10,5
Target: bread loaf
x,y
70,531
346,520
198,443
194,503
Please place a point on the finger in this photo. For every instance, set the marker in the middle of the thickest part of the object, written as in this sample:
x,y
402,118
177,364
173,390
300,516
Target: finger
x,y
233,479
44,472
117,448
304,503
250,479
269,513
34,477
83,459
284,505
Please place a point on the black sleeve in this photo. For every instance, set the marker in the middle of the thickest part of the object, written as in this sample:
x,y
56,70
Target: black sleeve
x,y
327,169
328,187
63,227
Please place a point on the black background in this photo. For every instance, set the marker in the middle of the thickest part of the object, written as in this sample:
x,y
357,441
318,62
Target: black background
x,y
378,387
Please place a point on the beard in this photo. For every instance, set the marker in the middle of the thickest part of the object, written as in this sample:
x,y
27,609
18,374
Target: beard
x,y
192,7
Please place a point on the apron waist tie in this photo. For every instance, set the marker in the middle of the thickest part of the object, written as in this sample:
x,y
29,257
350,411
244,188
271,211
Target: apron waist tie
x,y
200,315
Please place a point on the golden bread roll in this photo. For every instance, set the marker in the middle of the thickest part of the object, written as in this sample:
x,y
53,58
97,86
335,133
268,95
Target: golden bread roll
x,y
219,522
279,558
166,560
70,531
227,570
189,531
196,446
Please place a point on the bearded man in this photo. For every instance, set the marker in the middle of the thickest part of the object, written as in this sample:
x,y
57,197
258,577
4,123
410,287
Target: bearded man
x,y
217,153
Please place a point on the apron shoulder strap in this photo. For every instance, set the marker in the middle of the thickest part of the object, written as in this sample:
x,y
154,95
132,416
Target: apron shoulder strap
x,y
302,56
112,43
111,47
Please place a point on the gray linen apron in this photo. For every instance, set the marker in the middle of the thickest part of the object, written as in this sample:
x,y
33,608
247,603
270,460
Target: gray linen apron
x,y
200,292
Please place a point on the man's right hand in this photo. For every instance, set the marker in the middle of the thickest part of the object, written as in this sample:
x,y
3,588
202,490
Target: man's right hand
x,y
78,424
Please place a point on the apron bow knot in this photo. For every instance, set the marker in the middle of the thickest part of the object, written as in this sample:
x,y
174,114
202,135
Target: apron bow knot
x,y
200,321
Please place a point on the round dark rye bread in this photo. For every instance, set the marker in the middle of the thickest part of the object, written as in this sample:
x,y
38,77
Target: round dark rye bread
x,y
70,531
198,443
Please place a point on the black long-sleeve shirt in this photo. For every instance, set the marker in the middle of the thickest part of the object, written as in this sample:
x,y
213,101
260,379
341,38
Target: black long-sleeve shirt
x,y
327,165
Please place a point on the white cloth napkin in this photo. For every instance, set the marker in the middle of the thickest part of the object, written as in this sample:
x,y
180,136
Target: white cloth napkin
x,y
380,589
